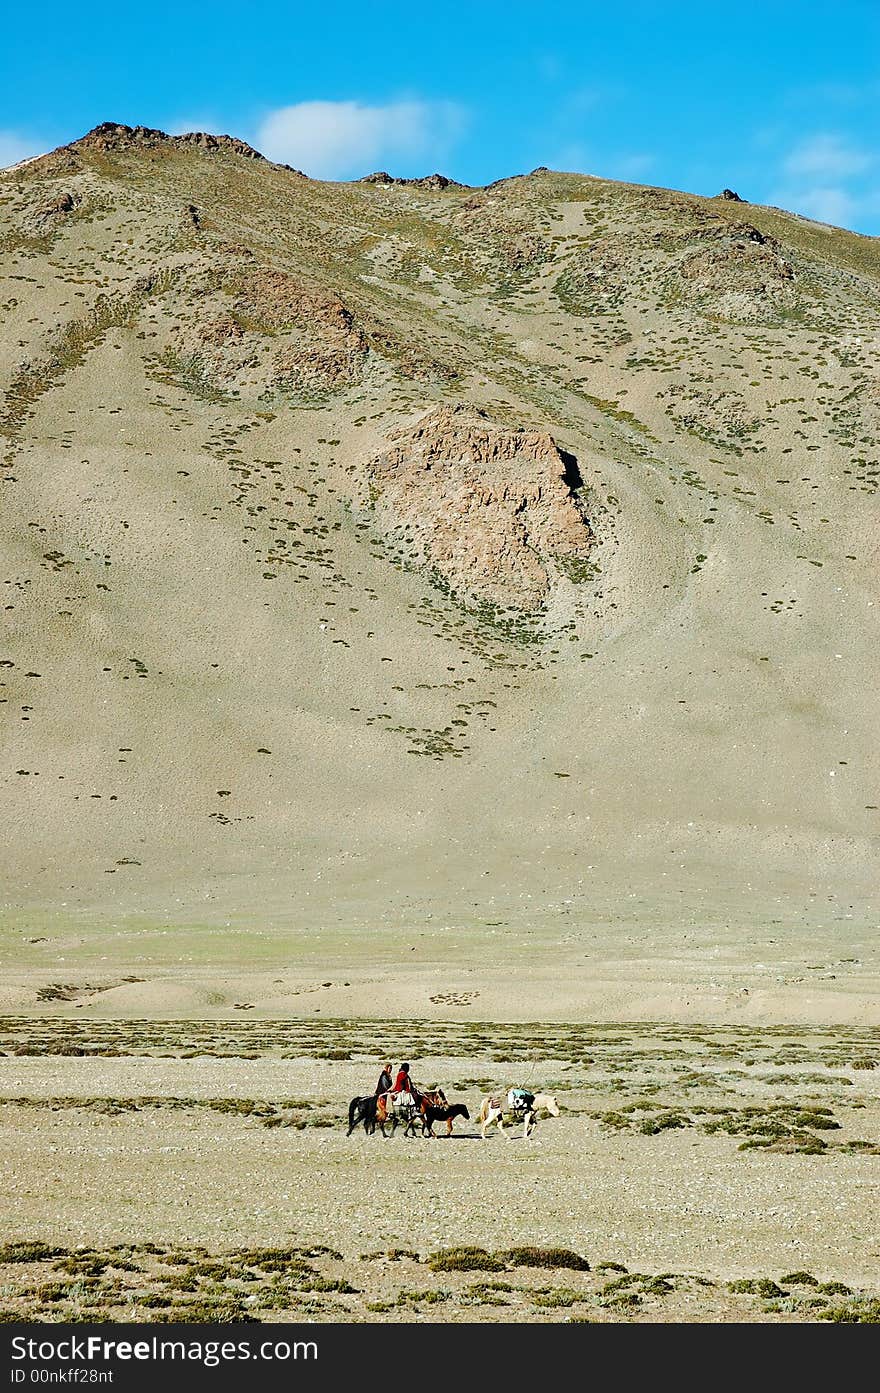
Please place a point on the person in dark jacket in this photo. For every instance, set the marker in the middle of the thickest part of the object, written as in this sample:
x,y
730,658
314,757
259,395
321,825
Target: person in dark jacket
x,y
384,1084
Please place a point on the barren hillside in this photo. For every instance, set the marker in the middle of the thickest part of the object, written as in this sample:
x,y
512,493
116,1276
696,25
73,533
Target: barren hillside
x,y
461,571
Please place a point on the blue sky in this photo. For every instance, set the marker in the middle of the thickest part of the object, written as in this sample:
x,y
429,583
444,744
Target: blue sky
x,y
780,101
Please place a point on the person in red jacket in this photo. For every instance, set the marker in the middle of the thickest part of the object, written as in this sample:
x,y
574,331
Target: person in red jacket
x,y
403,1083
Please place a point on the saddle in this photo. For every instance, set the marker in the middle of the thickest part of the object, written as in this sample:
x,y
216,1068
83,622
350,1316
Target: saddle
x,y
402,1100
520,1099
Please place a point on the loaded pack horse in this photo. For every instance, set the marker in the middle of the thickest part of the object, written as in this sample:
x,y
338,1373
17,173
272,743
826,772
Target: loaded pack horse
x,y
522,1104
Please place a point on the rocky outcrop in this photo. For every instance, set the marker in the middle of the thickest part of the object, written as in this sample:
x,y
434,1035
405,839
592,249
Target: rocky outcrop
x,y
211,143
492,512
45,217
254,329
279,301
734,272
63,204
427,181
110,135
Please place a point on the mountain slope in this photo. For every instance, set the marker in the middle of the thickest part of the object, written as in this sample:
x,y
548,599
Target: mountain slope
x,y
270,662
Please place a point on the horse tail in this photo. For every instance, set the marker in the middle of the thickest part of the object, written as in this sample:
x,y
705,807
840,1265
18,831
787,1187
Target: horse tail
x,y
352,1109
484,1109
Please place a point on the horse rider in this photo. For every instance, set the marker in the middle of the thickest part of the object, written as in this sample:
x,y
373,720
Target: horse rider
x,y
384,1084
404,1084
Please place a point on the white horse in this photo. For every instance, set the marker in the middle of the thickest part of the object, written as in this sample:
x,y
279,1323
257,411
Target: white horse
x,y
493,1110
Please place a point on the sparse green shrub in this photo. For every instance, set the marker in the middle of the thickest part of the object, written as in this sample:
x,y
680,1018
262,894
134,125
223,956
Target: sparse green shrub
x,y
544,1257
464,1260
853,1313
756,1286
29,1251
622,1299
554,1297
390,1255
650,1126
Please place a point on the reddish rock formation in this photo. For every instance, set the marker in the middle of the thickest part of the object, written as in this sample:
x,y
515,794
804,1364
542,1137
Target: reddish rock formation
x,y
490,510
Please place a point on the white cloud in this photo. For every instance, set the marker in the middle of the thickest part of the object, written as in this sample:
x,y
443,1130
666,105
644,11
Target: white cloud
x,y
578,158
826,204
14,147
337,140
830,178
632,166
825,156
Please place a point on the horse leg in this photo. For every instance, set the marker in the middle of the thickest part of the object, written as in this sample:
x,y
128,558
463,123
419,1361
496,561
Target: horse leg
x,y
492,1116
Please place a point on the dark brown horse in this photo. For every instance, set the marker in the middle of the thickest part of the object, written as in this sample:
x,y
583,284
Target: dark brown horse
x,y
447,1113
362,1110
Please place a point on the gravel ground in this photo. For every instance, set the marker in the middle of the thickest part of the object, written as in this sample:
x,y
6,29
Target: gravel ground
x,y
679,1200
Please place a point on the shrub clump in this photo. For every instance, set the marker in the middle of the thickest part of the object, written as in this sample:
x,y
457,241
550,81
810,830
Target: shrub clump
x,y
544,1257
853,1313
757,1286
27,1251
390,1255
663,1122
464,1260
